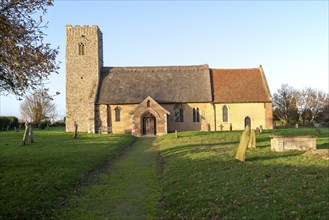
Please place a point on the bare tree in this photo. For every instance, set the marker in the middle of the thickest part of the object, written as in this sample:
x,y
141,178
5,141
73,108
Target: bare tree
x,y
25,60
311,102
282,101
318,101
38,106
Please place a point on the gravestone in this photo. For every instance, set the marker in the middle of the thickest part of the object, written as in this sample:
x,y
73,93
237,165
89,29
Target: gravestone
x,y
257,130
221,127
243,145
75,133
261,129
252,139
31,134
26,133
318,131
296,125
176,134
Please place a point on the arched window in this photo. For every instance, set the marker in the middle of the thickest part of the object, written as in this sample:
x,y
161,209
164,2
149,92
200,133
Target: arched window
x,y
148,103
179,113
81,49
225,113
196,115
117,111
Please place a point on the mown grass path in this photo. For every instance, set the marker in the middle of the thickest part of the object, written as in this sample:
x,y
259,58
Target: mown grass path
x,y
128,189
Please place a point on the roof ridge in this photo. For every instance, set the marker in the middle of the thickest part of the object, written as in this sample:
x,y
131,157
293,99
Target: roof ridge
x,y
186,66
252,68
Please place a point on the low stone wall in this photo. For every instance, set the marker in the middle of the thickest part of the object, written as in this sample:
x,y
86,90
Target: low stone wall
x,y
282,143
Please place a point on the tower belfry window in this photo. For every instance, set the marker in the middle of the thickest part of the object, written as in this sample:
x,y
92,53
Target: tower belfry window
x,y
81,49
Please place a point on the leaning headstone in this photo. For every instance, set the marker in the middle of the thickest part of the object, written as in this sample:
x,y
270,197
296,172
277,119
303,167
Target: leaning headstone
x,y
252,139
261,129
26,133
242,149
31,134
75,134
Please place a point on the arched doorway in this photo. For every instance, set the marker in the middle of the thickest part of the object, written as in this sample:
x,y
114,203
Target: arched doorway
x,y
247,121
149,124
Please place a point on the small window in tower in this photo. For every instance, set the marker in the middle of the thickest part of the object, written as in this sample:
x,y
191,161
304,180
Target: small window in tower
x,y
148,103
81,49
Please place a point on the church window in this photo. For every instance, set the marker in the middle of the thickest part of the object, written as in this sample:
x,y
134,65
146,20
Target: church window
x,y
225,113
148,103
196,115
179,113
117,111
81,49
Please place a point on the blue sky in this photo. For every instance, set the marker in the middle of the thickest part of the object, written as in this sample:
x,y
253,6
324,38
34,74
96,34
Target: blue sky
x,y
288,38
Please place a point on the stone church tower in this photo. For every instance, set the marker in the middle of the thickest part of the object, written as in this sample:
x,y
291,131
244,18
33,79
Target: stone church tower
x,y
84,60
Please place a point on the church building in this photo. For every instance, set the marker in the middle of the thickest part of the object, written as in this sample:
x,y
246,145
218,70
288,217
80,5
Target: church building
x,y
155,100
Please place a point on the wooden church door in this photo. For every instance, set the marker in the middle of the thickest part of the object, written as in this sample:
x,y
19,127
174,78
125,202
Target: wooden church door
x,y
149,124
247,121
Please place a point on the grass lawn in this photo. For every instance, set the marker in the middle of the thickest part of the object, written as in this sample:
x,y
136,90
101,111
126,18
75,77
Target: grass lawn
x,y
99,176
36,179
202,180
128,189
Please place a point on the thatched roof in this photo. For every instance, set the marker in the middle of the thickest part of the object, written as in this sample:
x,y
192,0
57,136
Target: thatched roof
x,y
165,84
240,85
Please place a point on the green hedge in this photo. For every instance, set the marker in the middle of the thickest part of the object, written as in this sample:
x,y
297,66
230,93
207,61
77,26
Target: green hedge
x,y
8,123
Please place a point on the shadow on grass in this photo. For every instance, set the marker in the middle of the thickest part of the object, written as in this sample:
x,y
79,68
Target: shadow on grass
x,y
197,148
275,156
221,187
322,146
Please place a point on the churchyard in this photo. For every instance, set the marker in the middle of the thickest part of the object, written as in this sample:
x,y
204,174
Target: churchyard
x,y
194,176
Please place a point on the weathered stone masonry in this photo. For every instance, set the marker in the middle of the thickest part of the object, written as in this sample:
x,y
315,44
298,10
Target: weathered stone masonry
x,y
82,75
157,100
